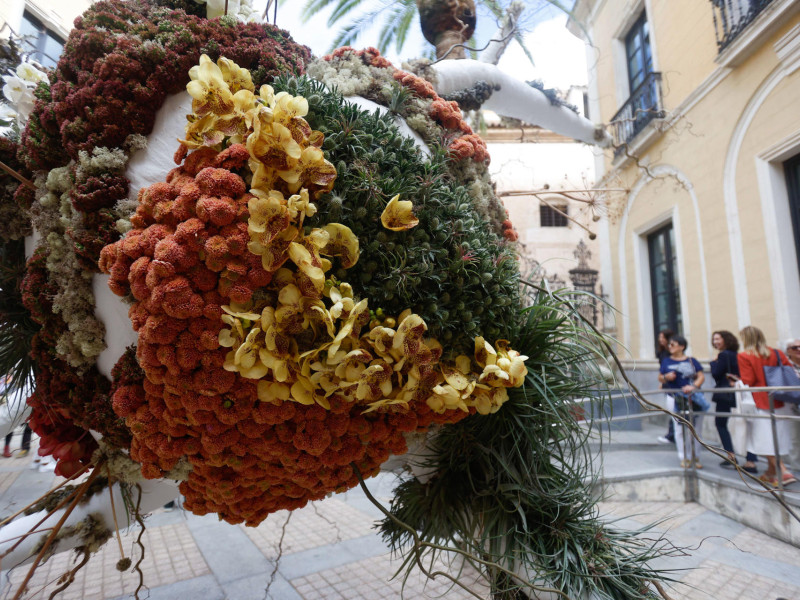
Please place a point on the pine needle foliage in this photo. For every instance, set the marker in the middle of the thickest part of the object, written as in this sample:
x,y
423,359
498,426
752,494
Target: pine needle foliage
x,y
452,269
513,488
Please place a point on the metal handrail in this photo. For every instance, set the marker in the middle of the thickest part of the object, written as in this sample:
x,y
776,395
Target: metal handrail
x,y
731,17
643,106
687,416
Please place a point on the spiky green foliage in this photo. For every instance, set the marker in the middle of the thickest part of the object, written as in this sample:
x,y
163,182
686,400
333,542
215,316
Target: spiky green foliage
x,y
16,326
513,488
451,269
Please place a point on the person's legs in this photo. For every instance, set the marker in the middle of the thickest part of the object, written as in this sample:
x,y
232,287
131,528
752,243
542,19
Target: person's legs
x,y
721,423
26,437
676,429
7,449
698,427
671,431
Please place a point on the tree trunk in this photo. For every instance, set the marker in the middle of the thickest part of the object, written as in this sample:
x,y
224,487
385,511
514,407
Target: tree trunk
x,y
447,23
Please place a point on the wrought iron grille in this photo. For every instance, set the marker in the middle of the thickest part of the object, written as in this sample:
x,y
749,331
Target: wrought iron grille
x,y
731,17
643,106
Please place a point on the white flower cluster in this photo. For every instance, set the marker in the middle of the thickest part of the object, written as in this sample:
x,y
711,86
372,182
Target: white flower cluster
x,y
18,90
241,9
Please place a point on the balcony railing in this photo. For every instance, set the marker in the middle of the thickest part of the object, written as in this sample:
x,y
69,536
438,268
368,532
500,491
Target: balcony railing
x,y
643,106
731,17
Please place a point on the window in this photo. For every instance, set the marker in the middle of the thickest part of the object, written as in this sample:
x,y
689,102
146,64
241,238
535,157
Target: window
x,y
792,170
549,216
637,53
44,45
664,280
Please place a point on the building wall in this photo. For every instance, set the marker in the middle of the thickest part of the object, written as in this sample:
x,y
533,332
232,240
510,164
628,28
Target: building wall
x,y
57,16
561,165
715,171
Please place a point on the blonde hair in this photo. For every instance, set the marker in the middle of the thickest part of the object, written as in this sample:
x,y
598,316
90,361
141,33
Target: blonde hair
x,y
754,341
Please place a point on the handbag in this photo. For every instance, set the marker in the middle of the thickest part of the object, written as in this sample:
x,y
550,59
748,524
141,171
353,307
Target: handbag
x,y
699,402
739,428
780,376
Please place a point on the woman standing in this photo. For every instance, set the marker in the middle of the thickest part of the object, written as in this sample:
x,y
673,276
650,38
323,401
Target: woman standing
x,y
725,370
683,376
752,360
662,352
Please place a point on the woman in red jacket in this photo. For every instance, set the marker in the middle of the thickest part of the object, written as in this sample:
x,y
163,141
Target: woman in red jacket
x,y
752,360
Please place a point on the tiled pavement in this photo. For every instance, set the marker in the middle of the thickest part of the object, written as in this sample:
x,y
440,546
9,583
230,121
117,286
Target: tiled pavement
x,y
331,551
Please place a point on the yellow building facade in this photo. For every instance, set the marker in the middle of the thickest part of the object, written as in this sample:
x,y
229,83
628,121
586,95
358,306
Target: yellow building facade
x,y
703,101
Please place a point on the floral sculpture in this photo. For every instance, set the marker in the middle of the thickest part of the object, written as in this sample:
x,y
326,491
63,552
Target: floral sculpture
x,y
310,286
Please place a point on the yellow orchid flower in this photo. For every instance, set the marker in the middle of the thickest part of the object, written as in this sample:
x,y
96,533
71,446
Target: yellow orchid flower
x,y
237,78
273,392
374,382
503,369
272,145
202,132
299,205
489,400
304,259
209,92
342,298
311,168
287,107
269,217
342,243
398,215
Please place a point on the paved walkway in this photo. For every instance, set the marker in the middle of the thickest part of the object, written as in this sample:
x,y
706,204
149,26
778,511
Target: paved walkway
x,y
330,551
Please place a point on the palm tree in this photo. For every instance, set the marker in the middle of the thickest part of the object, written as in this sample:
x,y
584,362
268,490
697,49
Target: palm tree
x,y
445,23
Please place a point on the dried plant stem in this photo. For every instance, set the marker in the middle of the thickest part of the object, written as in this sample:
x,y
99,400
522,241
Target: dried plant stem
x,y
54,534
33,529
137,567
114,513
661,590
16,175
591,233
40,498
70,575
548,191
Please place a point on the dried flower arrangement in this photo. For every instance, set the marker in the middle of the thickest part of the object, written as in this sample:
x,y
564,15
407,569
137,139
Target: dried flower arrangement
x,y
309,287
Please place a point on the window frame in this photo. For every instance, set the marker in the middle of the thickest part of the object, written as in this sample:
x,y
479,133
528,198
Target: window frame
x,y
637,32
674,318
791,171
549,212
38,45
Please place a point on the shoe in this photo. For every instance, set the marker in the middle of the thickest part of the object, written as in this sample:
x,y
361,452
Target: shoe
x,y
697,465
728,464
662,439
788,478
770,481
7,452
686,464
22,454
753,469
670,439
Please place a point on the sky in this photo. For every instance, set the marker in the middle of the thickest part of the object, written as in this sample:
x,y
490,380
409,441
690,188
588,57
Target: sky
x,y
560,59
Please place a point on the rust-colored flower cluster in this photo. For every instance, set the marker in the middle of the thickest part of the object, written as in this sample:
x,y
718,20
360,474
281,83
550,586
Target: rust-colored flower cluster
x,y
467,144
185,258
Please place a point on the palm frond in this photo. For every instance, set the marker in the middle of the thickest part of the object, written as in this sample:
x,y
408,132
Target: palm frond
x,y
404,25
312,7
342,8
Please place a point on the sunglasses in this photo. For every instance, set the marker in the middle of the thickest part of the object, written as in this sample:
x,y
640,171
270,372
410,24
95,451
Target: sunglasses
x,y
793,348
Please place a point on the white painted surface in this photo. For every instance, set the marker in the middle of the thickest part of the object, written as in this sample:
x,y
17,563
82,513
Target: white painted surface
x,y
515,99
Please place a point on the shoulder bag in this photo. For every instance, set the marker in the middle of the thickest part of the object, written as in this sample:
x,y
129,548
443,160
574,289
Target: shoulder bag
x,y
782,376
